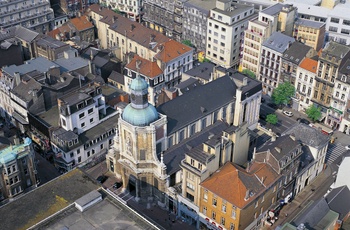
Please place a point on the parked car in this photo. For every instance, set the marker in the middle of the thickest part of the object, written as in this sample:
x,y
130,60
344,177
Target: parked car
x,y
272,105
262,116
101,179
303,120
288,113
347,147
117,185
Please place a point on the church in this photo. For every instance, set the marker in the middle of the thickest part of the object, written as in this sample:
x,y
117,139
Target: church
x,y
153,146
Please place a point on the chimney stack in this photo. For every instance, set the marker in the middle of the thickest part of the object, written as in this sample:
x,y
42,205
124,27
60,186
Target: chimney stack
x,y
245,81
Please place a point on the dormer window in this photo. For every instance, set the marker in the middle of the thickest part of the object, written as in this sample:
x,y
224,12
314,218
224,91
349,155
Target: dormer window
x,y
343,78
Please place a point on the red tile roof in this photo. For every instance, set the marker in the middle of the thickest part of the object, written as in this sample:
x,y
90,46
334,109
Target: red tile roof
x,y
82,23
309,64
170,50
232,183
142,35
147,68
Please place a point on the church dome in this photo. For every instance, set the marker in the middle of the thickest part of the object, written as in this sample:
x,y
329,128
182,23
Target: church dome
x,y
140,117
138,84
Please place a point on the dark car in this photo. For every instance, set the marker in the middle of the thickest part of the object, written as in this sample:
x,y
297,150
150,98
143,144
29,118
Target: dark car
x,y
262,116
303,120
117,185
101,179
272,105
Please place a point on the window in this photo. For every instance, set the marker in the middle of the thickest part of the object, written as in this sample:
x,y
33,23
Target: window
x,y
335,20
333,29
63,122
81,115
222,220
213,215
72,154
214,201
78,151
91,120
233,214
204,210
190,186
101,146
232,226
205,196
83,124
223,208
79,159
345,31
90,110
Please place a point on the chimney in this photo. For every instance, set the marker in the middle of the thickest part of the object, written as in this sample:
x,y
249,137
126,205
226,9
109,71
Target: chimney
x,y
248,166
90,67
292,136
17,78
132,27
245,81
238,104
278,149
100,9
260,8
246,195
254,153
114,19
273,138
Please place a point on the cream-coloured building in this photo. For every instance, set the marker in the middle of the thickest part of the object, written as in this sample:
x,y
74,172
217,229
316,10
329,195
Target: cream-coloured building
x,y
131,8
305,83
273,18
311,33
226,24
34,14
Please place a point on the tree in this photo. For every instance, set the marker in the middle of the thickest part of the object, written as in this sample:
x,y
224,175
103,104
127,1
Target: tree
x,y
283,93
272,119
187,43
249,73
313,113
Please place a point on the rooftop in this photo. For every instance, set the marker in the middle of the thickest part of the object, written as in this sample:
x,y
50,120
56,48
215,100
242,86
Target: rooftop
x,y
81,23
309,64
201,70
202,5
11,153
46,200
309,23
339,201
144,67
71,64
240,182
48,41
278,42
237,10
273,10
40,64
296,52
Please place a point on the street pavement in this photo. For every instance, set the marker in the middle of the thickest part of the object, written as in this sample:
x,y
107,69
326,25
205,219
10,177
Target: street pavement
x,y
46,170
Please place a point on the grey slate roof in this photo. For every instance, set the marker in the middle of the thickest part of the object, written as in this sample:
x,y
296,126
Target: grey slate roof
x,y
296,52
285,143
239,9
339,201
345,69
307,135
48,41
313,215
278,42
175,154
67,65
40,64
211,96
65,135
201,156
309,23
203,6
201,70
118,77
187,85
26,90
273,10
335,49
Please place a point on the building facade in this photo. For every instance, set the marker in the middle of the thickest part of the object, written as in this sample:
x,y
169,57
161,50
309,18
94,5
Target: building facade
x,y
132,9
271,59
311,33
36,15
18,169
226,23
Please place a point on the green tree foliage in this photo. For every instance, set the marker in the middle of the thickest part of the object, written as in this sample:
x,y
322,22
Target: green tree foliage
x,y
187,43
283,93
249,73
272,119
313,113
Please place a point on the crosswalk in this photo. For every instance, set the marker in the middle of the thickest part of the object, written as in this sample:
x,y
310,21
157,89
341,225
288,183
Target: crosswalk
x,y
333,152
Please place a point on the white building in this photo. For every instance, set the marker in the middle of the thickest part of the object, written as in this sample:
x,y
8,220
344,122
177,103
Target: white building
x,y
305,82
270,63
226,25
131,8
34,14
87,127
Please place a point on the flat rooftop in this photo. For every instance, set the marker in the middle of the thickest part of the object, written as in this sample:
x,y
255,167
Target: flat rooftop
x,y
107,214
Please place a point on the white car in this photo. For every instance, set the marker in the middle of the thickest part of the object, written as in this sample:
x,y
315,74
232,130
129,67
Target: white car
x,y
347,147
288,113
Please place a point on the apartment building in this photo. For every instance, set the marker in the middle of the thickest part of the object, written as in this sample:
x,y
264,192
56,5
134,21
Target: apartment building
x,y
204,160
311,33
86,127
18,169
337,19
35,14
261,28
292,58
330,60
132,9
226,24
345,122
238,198
194,22
305,84
160,16
271,59
150,72
340,96
50,48
284,155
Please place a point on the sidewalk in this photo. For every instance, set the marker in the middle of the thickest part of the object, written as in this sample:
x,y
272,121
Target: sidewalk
x,y
301,201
